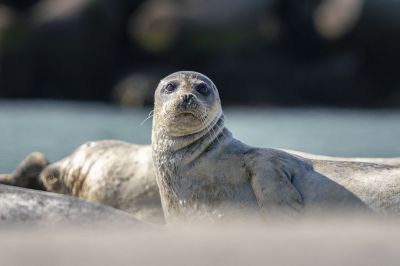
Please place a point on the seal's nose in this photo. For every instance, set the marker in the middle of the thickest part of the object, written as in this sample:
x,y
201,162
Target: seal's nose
x,y
187,99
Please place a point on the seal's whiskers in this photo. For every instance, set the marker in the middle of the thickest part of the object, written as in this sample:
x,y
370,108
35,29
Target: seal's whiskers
x,y
150,115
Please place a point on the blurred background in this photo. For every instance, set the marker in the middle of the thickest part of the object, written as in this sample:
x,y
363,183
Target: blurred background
x,y
314,75
266,52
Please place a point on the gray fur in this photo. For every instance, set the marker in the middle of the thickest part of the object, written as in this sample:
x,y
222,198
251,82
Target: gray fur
x,y
19,206
113,173
27,172
135,197
211,172
206,170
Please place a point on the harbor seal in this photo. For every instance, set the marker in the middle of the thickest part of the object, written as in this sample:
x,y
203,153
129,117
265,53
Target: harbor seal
x,y
114,173
200,168
110,172
133,188
20,206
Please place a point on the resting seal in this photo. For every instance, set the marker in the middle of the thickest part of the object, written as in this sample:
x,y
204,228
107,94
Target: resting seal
x,y
20,206
132,188
201,168
113,173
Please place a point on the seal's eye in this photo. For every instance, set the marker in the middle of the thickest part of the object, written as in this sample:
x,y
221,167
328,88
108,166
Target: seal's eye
x,y
170,87
203,89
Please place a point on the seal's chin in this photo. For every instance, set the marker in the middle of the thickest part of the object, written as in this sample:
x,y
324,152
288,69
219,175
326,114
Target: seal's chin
x,y
189,119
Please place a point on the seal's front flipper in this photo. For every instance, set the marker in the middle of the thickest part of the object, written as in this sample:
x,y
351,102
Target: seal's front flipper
x,y
6,179
27,173
274,192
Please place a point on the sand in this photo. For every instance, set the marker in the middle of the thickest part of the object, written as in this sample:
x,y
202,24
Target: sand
x,y
327,241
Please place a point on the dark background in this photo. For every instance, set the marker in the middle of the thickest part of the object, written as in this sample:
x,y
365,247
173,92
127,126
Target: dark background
x,y
270,52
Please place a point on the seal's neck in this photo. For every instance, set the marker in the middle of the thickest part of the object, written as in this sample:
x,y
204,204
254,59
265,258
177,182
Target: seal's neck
x,y
189,146
172,154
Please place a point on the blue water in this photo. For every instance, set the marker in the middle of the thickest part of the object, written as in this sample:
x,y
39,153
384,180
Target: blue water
x,y
57,128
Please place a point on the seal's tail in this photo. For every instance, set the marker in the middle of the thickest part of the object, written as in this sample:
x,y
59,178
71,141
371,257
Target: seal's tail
x,y
27,173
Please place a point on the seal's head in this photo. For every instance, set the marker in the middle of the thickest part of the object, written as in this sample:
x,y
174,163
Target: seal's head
x,y
185,103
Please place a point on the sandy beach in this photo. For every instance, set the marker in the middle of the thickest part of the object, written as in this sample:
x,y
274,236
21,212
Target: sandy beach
x,y
326,241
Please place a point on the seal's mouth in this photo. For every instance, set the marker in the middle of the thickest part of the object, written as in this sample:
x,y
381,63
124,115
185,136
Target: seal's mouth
x,y
189,111
187,115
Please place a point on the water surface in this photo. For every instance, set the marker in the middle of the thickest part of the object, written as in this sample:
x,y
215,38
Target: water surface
x,y
57,128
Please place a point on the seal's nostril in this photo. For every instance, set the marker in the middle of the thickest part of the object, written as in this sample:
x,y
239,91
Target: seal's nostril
x,y
187,98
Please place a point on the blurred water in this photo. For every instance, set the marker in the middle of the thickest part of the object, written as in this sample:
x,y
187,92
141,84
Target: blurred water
x,y
57,128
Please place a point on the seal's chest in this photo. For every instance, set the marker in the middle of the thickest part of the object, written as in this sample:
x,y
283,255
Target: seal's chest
x,y
216,198
215,170
211,181
213,186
